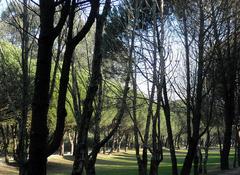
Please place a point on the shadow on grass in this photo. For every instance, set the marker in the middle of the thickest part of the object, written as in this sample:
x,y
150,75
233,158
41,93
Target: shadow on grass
x,y
56,168
125,164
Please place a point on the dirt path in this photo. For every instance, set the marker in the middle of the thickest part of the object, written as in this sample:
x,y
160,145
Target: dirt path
x,y
7,170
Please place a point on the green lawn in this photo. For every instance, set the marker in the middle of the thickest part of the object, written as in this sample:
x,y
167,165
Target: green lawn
x,y
115,164
123,163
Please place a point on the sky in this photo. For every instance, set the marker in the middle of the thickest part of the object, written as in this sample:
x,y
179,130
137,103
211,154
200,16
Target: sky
x,y
2,5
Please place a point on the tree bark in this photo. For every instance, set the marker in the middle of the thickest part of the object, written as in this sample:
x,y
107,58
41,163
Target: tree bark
x,y
40,105
164,94
5,137
71,140
81,156
198,104
207,144
70,47
187,50
22,146
196,163
229,117
61,149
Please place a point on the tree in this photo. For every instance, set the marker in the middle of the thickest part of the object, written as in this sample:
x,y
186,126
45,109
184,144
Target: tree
x,y
164,91
81,154
40,105
24,29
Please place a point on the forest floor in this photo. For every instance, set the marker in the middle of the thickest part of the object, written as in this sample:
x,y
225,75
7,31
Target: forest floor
x,y
235,171
230,172
118,164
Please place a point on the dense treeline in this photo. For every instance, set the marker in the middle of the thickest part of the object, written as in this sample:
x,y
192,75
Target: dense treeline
x,y
86,77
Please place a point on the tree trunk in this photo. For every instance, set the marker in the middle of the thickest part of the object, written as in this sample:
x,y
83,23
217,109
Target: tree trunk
x,y
187,50
193,143
90,167
196,163
5,138
71,44
40,105
120,139
61,149
14,139
71,140
126,146
165,101
205,160
22,146
104,149
189,157
200,169
229,117
238,147
235,147
154,167
81,156
112,145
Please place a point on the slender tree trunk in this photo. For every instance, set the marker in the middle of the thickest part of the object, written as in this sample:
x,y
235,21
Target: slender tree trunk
x,y
235,147
207,144
81,156
141,169
90,165
22,146
198,104
238,147
14,139
166,106
229,116
112,145
61,149
187,50
5,137
126,142
71,140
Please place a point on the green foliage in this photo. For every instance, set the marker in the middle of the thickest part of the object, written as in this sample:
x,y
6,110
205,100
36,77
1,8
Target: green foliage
x,y
10,78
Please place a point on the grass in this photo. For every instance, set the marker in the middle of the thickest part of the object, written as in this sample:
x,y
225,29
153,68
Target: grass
x,y
117,164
